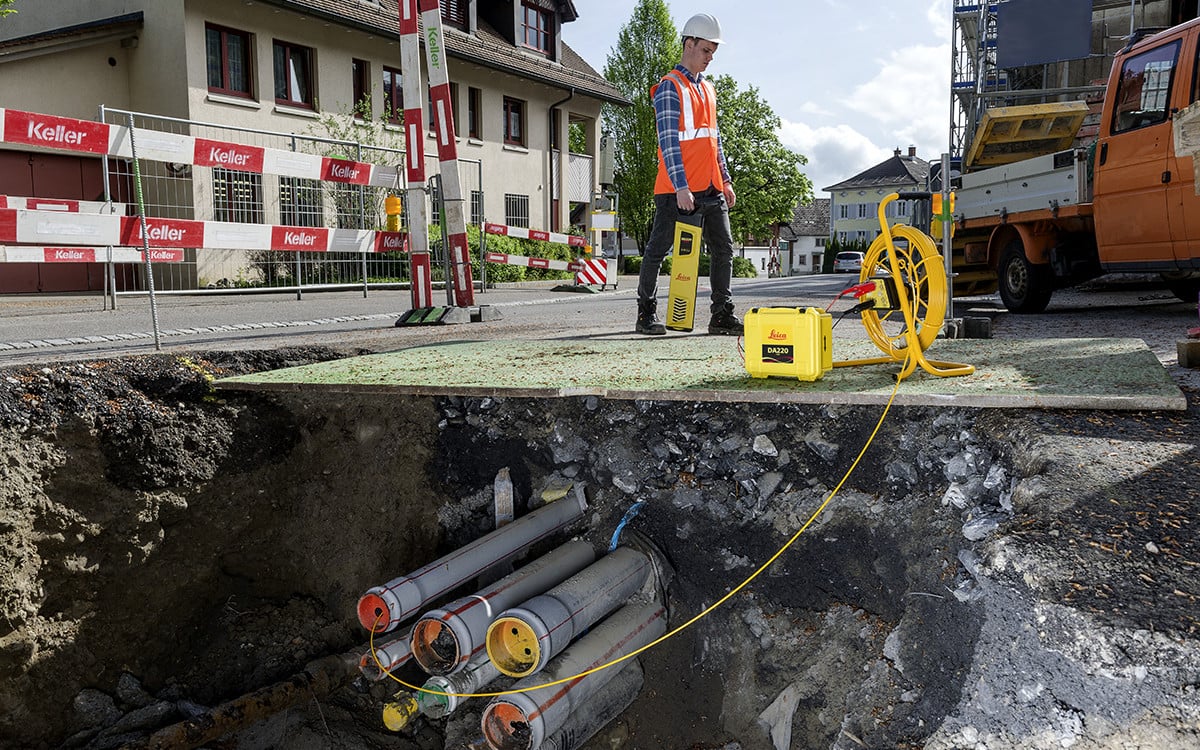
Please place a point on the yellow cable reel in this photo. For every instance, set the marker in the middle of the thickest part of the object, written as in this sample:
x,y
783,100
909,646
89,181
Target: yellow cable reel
x,y
923,277
904,261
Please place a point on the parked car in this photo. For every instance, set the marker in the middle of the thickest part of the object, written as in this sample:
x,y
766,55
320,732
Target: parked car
x,y
849,261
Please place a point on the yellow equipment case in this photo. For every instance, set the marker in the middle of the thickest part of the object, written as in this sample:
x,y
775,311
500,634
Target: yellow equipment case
x,y
788,342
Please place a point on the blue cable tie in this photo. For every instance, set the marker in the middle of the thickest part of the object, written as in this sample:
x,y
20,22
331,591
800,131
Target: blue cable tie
x,y
629,514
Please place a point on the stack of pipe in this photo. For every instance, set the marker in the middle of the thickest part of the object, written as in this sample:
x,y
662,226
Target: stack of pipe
x,y
529,625
382,608
445,639
522,640
523,720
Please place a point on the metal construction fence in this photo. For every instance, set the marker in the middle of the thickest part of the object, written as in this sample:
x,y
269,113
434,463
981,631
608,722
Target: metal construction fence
x,y
219,192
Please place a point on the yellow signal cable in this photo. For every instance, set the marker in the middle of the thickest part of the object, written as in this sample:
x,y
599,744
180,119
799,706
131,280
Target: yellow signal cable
x,y
669,634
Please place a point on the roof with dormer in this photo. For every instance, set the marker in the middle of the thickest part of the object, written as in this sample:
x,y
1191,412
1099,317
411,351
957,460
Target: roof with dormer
x,y
808,220
899,170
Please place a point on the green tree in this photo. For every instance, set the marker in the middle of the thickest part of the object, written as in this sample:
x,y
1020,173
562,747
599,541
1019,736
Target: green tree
x,y
647,47
577,138
5,9
766,174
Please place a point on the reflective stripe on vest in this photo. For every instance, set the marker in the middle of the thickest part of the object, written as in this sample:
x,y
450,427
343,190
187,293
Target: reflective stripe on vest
x,y
687,111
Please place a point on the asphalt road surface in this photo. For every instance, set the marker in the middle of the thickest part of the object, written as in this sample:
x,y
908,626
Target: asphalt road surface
x,y
45,328
54,328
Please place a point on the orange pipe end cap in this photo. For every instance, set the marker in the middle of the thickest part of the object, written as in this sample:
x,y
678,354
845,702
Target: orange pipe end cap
x,y
373,613
505,726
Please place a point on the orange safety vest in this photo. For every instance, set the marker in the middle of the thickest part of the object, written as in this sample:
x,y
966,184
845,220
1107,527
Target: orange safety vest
x,y
697,136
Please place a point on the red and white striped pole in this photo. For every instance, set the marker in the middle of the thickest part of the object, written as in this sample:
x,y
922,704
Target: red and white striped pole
x,y
443,115
421,271
414,140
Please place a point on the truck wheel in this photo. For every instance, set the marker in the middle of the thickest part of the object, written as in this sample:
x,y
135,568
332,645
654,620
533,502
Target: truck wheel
x,y
1025,287
1186,288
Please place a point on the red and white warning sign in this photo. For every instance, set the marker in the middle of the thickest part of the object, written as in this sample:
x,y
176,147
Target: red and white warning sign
x,y
594,271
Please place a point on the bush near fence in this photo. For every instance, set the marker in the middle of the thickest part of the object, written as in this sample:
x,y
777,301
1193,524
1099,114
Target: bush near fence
x,y
500,273
278,268
743,268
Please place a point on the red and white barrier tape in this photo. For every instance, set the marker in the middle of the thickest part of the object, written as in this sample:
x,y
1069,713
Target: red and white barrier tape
x,y
533,234
28,254
87,137
57,228
529,262
59,204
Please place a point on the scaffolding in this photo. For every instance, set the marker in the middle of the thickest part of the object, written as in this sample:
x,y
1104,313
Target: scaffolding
x,y
978,82
973,70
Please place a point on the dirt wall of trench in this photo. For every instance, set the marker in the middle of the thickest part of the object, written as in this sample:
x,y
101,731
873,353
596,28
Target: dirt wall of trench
x,y
168,545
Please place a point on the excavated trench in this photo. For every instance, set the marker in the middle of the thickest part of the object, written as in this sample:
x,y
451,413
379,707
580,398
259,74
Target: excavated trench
x,y
167,547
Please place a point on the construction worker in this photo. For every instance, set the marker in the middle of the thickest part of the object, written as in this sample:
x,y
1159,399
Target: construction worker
x,y
692,178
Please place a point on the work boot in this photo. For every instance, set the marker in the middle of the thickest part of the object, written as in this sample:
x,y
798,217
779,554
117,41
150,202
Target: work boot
x,y
725,323
647,321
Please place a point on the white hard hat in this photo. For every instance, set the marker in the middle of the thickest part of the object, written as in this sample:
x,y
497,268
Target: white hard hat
x,y
703,26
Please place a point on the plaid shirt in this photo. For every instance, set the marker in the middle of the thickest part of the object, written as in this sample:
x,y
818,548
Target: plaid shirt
x,y
666,114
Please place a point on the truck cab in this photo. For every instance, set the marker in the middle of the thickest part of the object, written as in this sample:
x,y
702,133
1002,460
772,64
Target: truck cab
x,y
1147,213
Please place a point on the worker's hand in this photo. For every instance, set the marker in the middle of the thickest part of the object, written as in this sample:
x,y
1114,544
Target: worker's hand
x,y
730,196
685,200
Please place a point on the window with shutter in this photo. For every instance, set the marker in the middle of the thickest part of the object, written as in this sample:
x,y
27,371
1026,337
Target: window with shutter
x,y
454,13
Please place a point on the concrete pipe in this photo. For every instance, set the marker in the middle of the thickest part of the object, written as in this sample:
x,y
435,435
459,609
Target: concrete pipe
x,y
522,721
445,639
606,704
382,608
478,673
391,655
523,639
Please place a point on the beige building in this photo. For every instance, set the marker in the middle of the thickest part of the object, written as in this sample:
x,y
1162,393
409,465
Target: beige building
x,y
284,65
854,203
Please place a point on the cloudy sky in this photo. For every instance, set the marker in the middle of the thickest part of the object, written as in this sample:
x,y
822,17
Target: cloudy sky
x,y
851,81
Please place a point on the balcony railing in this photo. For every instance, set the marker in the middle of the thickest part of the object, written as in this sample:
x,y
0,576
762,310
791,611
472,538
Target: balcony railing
x,y
580,177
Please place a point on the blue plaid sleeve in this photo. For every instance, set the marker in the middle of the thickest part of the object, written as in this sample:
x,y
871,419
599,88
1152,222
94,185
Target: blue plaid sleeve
x,y
666,115
721,160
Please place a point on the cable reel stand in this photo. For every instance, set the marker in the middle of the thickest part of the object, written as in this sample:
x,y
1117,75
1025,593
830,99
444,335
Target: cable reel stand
x,y
910,291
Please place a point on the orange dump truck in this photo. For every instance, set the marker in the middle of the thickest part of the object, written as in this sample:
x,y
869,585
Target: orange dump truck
x,y
1126,203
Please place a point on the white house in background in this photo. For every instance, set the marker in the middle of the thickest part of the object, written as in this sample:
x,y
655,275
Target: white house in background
x,y
280,65
855,202
796,246
802,240
758,255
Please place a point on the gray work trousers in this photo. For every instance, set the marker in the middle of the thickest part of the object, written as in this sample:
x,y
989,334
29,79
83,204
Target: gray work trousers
x,y
713,212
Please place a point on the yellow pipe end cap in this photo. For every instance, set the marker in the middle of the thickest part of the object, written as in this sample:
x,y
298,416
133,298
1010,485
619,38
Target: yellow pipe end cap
x,y
513,647
399,711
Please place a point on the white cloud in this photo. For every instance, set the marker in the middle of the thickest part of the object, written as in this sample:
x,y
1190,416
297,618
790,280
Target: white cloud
x,y
909,98
938,15
814,108
835,153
